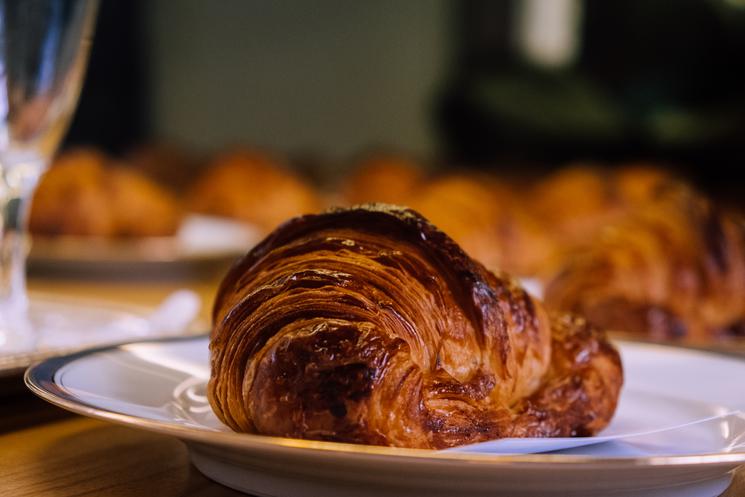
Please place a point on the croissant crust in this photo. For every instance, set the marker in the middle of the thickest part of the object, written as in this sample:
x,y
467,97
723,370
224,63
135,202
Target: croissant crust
x,y
369,325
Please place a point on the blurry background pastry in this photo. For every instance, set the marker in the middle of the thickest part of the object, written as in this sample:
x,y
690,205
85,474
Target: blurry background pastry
x,y
84,194
382,177
140,206
70,198
673,266
252,187
637,182
167,164
575,202
482,215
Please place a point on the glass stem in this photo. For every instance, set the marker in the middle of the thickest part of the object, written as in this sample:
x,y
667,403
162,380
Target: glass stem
x,y
16,186
13,252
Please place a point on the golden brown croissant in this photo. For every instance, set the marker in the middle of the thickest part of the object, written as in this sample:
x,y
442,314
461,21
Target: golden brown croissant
x,y
369,325
675,266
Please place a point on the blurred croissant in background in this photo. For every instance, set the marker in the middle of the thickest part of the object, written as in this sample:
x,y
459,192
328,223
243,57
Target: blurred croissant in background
x,y
577,200
632,248
253,187
674,266
382,177
85,193
486,218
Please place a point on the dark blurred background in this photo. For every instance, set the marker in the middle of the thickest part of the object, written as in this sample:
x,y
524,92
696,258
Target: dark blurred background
x,y
494,84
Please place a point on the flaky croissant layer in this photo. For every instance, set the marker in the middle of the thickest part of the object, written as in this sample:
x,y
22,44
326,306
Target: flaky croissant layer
x,y
368,325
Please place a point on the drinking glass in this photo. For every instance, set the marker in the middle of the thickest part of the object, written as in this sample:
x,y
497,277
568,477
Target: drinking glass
x,y
44,46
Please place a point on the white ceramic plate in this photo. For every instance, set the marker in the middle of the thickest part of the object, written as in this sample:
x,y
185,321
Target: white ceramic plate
x,y
201,242
159,386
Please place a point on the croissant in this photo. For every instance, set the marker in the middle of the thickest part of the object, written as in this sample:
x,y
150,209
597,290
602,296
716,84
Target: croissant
x,y
369,325
673,267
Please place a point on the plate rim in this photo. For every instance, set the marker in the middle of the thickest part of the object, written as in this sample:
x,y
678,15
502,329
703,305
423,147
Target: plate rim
x,y
41,373
49,249
123,252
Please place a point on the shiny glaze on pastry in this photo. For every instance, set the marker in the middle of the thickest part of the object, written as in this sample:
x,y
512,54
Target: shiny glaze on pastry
x,y
369,325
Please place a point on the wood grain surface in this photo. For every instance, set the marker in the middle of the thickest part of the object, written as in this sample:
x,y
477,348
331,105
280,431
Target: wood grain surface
x,y
80,457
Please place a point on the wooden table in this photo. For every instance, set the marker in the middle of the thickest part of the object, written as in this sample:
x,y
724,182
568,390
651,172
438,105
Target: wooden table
x,y
45,451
